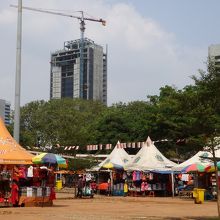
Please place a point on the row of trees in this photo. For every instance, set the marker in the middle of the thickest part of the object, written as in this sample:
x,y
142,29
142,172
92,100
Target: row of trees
x,y
191,114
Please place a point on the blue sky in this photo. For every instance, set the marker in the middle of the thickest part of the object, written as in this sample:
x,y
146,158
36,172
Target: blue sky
x,y
194,22
151,43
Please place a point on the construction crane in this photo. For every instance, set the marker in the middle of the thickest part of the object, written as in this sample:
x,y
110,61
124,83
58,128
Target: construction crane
x,y
82,20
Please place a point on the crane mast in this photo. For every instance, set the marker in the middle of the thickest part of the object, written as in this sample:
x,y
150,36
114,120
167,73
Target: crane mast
x,y
82,30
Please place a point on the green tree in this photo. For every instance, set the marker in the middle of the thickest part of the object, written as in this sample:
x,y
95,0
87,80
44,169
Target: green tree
x,y
64,122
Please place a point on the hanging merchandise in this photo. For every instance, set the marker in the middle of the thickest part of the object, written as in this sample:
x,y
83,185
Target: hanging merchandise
x,y
29,192
151,176
30,171
143,186
134,176
185,177
144,178
22,172
138,175
124,176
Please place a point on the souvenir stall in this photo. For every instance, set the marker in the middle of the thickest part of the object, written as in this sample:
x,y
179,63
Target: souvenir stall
x,y
36,186
200,177
103,182
111,175
149,172
146,183
201,171
116,180
42,191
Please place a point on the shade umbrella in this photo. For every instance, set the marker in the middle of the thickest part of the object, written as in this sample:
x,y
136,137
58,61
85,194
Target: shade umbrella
x,y
112,166
211,167
49,158
195,167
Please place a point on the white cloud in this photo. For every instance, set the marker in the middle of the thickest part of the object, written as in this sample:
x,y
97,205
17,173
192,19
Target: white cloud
x,y
7,17
142,55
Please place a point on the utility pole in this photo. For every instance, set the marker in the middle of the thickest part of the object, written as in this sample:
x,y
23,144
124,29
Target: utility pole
x,y
18,74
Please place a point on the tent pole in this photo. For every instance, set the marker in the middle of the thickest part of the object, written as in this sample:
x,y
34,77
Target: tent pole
x,y
111,182
172,182
98,191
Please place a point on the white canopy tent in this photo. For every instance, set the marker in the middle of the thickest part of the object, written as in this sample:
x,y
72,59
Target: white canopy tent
x,y
200,158
149,158
118,156
195,159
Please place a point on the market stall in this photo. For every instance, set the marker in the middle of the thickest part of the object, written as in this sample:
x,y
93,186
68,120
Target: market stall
x,y
200,168
37,189
111,175
13,158
149,172
21,182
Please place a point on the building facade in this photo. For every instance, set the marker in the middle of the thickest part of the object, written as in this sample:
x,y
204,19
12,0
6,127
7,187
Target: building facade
x,y
214,55
5,111
66,79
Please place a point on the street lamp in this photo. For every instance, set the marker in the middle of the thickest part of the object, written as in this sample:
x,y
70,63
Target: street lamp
x,y
18,74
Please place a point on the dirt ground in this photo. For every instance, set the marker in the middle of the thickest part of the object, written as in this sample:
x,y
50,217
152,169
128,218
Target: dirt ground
x,y
111,208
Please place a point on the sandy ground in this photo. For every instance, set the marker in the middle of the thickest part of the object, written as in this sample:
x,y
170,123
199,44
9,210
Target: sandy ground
x,y
106,208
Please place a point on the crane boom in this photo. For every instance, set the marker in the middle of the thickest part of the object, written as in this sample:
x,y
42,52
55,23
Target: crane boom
x,y
62,14
82,20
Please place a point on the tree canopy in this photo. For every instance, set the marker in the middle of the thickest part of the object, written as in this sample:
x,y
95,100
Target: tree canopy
x,y
191,115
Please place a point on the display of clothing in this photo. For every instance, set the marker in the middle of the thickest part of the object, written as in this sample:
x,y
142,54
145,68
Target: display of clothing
x,y
151,176
134,176
124,176
30,172
22,172
138,175
185,177
143,186
17,183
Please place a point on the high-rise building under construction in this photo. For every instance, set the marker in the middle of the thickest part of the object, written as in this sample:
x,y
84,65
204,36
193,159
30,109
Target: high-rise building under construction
x,y
5,111
66,79
214,55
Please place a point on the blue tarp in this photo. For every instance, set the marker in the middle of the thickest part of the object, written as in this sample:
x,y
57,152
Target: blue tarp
x,y
164,171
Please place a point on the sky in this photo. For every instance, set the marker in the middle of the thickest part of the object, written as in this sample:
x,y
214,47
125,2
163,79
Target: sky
x,y
151,43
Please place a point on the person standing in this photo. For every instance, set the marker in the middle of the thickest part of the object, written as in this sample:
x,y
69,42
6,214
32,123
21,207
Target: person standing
x,y
125,188
79,187
109,187
14,193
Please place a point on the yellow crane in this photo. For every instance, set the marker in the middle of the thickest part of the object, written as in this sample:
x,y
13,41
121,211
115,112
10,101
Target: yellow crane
x,y
82,20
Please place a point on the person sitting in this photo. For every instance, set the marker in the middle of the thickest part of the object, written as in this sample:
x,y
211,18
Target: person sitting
x,y
93,186
180,185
